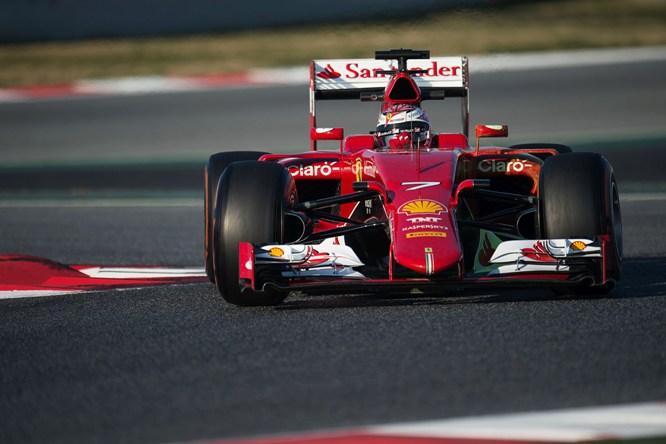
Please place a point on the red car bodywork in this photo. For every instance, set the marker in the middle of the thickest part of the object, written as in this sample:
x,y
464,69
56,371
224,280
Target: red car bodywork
x,y
449,215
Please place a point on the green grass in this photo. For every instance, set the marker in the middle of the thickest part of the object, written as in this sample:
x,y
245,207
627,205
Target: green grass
x,y
523,26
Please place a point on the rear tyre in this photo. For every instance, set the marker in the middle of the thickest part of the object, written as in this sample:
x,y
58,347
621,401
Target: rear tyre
x,y
217,163
579,198
252,198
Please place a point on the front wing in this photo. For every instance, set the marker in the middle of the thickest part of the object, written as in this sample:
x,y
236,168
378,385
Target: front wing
x,y
332,266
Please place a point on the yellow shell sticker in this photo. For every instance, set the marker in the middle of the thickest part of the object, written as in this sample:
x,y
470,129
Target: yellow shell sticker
x,y
359,170
422,207
578,246
426,234
276,252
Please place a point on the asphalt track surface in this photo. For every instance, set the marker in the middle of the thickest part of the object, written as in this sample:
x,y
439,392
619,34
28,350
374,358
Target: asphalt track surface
x,y
176,363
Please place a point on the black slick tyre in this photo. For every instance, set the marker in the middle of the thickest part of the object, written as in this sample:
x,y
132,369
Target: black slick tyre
x,y
579,198
252,198
216,164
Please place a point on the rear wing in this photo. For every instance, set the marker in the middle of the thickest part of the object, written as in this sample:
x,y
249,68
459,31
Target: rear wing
x,y
366,79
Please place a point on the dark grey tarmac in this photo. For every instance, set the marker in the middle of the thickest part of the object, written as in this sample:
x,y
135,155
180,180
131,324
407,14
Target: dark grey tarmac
x,y
176,363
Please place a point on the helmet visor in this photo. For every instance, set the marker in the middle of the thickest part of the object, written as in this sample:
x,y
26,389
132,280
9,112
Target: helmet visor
x,y
419,132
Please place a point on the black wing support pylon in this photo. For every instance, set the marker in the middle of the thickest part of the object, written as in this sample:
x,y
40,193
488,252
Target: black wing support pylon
x,y
402,55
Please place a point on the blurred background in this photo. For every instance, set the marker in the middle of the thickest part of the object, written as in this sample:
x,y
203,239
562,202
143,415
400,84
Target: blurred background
x,y
78,19
54,41
118,179
600,100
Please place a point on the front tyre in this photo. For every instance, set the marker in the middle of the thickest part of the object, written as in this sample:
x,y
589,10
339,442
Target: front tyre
x,y
252,198
579,198
215,166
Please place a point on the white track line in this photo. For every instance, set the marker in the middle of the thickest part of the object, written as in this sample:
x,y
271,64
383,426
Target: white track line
x,y
579,425
570,425
141,273
300,75
19,294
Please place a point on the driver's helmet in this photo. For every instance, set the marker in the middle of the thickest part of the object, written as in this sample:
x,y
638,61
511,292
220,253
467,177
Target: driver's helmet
x,y
403,127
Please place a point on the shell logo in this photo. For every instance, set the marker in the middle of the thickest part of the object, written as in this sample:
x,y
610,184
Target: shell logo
x,y
578,246
422,207
358,166
276,252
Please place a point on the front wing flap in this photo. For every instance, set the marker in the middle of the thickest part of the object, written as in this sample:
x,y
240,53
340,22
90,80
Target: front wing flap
x,y
329,258
548,255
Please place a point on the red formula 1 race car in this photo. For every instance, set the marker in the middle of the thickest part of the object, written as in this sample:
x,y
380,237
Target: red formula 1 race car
x,y
404,209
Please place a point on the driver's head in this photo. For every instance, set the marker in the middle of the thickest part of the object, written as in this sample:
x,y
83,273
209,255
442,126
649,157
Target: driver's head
x,y
403,127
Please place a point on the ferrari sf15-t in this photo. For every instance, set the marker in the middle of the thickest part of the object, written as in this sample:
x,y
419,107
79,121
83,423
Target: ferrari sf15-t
x,y
404,209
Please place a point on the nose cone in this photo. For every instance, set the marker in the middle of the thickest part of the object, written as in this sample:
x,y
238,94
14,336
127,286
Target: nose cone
x,y
424,238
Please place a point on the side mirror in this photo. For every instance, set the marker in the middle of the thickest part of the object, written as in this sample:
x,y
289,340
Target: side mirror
x,y
490,131
327,133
